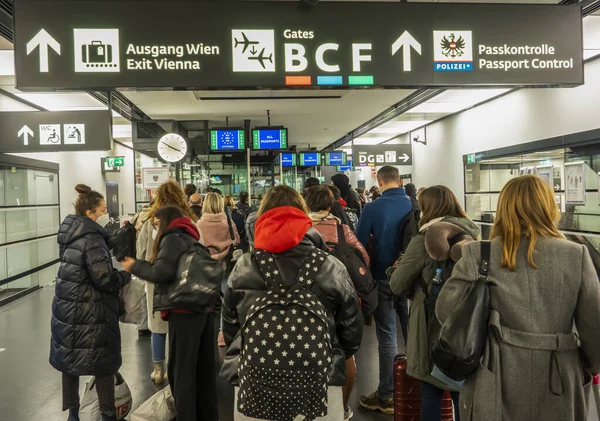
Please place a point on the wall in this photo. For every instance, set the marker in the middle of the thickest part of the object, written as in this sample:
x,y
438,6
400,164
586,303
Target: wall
x,y
84,167
522,116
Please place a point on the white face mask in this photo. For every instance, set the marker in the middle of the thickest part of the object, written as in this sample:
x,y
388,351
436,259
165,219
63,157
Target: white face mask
x,y
103,220
154,233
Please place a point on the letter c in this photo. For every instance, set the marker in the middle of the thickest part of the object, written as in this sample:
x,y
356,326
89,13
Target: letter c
x,y
321,61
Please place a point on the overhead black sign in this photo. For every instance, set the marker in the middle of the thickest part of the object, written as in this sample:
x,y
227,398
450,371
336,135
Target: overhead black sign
x,y
96,44
48,131
381,155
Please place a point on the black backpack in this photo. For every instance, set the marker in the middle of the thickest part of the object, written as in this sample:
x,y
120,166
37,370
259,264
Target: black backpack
x,y
124,242
197,287
286,347
352,217
407,230
359,272
432,290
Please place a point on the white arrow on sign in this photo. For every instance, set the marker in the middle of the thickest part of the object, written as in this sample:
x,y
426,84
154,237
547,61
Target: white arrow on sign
x,y
404,157
44,41
407,41
25,132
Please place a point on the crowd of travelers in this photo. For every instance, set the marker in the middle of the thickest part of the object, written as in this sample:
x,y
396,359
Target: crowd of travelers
x,y
506,326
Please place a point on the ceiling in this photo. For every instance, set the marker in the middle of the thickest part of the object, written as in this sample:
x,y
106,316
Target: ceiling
x,y
314,118
316,121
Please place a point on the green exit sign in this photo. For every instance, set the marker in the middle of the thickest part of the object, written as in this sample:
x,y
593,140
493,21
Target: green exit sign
x,y
117,161
471,159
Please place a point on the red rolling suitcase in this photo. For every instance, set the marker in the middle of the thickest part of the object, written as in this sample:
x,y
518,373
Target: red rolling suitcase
x,y
407,395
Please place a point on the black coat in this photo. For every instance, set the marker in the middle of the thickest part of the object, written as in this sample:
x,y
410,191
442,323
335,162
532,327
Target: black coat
x,y
246,284
167,266
86,339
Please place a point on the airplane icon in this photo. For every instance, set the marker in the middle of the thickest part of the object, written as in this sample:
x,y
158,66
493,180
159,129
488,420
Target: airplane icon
x,y
246,42
261,58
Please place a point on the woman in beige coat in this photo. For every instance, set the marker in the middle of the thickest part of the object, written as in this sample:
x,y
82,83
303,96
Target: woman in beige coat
x,y
167,194
543,287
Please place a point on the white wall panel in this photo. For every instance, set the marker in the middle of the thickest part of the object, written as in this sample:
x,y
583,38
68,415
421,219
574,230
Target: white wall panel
x,y
523,116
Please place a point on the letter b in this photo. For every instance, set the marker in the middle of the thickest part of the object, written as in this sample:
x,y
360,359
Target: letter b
x,y
295,60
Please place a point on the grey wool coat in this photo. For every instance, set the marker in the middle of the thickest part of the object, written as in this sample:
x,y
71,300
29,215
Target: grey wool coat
x,y
532,368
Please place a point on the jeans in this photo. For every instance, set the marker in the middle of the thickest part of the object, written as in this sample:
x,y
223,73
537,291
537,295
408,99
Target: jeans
x,y
159,343
385,327
431,403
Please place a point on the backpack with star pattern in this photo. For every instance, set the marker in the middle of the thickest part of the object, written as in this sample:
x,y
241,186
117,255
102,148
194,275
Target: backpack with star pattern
x,y
286,347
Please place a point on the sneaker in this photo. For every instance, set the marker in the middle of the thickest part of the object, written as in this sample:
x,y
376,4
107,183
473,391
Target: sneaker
x,y
373,402
158,374
348,414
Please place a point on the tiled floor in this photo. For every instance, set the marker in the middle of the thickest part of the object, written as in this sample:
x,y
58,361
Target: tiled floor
x,y
30,389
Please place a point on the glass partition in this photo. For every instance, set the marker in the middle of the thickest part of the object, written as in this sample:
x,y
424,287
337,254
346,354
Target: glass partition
x,y
29,222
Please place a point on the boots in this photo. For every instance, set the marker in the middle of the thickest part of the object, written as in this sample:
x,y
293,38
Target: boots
x,y
73,414
158,375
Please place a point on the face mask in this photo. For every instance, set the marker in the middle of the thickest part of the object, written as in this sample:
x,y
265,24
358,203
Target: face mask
x,y
103,220
154,233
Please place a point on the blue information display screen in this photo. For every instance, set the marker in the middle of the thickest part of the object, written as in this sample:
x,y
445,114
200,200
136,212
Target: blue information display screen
x,y
288,160
269,139
227,140
310,159
345,167
335,158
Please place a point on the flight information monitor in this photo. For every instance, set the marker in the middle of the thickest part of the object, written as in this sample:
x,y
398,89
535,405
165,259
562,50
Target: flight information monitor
x,y
268,138
227,140
310,159
342,168
289,160
336,158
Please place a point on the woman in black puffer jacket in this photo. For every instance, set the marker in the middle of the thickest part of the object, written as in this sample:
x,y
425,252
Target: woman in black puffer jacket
x,y
285,230
86,340
192,338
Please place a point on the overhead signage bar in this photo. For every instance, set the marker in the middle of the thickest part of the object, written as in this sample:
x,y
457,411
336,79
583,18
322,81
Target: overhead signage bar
x,y
93,44
380,155
54,131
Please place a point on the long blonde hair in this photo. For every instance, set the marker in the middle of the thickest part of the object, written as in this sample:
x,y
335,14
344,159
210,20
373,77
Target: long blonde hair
x,y
213,203
526,208
170,193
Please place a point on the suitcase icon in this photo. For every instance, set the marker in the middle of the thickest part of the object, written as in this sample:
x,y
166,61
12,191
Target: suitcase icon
x,y
96,53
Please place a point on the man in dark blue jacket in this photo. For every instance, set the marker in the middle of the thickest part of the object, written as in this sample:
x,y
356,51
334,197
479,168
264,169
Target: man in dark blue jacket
x,y
380,222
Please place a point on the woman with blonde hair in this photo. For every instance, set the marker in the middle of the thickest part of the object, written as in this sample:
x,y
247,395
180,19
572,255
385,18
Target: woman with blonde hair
x,y
167,194
542,288
219,234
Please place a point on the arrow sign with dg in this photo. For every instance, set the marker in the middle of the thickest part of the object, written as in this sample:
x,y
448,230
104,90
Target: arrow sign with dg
x,y
381,155
60,131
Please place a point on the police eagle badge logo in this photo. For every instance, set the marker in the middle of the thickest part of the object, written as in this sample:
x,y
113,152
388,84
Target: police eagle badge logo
x,y
453,51
452,47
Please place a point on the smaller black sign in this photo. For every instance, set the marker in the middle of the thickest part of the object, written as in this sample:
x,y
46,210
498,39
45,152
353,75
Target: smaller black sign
x,y
381,155
60,131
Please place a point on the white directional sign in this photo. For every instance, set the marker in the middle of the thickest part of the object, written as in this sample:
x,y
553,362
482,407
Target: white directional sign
x,y
43,41
380,155
406,41
25,132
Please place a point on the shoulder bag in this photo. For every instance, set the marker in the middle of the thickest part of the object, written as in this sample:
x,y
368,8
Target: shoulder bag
x,y
457,350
